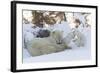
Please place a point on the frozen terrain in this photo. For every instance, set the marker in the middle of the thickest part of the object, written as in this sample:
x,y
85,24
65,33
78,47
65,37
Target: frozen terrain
x,y
76,53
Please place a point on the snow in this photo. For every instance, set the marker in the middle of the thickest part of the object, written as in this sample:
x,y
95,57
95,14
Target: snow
x,y
80,17
76,53
68,55
29,33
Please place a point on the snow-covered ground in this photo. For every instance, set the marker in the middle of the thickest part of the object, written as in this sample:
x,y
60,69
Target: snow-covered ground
x,y
76,53
68,55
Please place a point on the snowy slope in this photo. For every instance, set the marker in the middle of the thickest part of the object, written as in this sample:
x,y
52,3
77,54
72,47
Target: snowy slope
x,y
68,55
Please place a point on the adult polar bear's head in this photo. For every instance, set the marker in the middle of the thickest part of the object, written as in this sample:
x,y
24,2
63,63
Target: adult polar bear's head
x,y
57,36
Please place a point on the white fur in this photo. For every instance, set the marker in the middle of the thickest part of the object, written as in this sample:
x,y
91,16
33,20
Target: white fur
x,y
76,36
29,33
40,46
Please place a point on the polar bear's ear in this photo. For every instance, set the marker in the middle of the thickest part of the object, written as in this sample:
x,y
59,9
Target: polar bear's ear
x,y
53,32
57,32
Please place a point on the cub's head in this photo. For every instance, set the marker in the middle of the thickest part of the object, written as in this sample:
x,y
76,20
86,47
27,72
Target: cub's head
x,y
57,35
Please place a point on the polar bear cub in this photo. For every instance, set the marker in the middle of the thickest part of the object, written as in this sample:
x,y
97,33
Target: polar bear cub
x,y
75,36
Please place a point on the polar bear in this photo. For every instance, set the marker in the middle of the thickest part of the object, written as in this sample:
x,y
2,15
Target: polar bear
x,y
76,37
47,45
79,38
